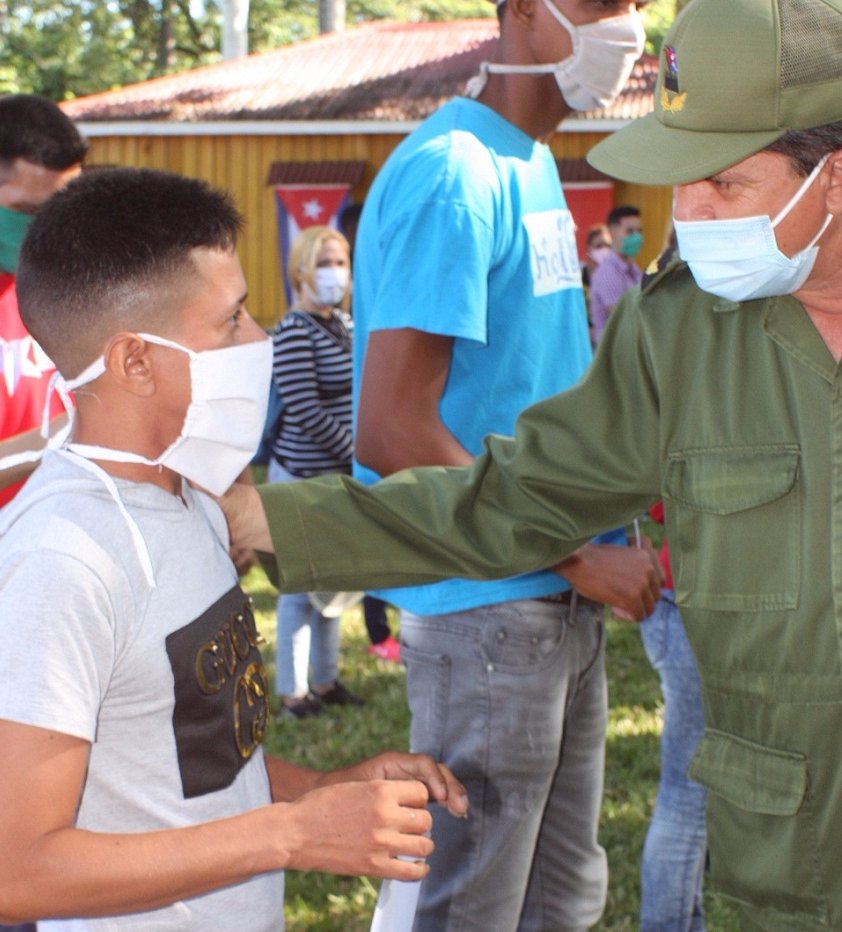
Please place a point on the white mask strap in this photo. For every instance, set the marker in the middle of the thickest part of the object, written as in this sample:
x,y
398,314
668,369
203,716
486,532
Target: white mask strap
x,y
139,543
800,193
88,374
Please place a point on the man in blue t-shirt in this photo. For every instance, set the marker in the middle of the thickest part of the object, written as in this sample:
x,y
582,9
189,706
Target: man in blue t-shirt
x,y
469,307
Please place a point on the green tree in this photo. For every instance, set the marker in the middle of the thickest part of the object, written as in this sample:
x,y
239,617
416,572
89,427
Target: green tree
x,y
66,48
69,48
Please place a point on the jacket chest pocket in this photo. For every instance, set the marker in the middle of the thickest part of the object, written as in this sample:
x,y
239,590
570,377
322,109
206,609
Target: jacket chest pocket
x,y
736,527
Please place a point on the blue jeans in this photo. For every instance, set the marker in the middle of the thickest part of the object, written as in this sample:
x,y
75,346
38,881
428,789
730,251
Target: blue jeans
x,y
674,851
305,639
512,698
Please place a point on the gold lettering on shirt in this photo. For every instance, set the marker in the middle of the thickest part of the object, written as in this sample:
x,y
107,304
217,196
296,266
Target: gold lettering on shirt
x,y
218,658
251,709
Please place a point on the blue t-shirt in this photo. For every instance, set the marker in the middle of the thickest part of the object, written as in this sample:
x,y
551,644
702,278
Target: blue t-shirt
x,y
466,233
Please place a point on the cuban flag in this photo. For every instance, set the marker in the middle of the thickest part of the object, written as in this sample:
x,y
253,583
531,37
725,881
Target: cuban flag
x,y
305,205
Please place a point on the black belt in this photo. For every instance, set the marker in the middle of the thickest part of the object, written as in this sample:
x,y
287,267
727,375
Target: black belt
x,y
566,598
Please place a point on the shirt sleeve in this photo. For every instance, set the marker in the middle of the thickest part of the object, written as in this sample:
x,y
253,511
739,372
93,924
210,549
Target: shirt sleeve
x,y
57,621
580,462
436,258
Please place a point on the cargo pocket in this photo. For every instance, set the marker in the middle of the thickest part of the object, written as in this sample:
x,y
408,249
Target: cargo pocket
x,y
762,838
736,527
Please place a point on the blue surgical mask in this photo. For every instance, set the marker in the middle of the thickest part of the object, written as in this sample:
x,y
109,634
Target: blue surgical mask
x,y
739,259
13,227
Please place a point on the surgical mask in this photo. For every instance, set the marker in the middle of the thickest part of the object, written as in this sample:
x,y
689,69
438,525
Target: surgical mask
x,y
604,53
631,245
224,421
13,227
739,259
599,254
331,283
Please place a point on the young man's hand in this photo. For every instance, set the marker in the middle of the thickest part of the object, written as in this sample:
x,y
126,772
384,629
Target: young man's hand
x,y
359,828
626,578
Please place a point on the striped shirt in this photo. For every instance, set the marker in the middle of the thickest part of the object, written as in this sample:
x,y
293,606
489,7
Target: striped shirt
x,y
312,371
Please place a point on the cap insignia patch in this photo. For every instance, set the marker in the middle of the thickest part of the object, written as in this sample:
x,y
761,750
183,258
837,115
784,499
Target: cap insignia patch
x,y
671,70
672,104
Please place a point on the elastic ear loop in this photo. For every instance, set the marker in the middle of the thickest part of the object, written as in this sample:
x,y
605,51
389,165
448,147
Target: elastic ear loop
x,y
137,538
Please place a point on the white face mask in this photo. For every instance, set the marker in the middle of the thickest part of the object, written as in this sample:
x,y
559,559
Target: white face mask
x,y
331,284
739,259
604,53
224,421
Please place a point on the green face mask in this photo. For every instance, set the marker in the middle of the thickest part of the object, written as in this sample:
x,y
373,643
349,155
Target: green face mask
x,y
13,226
631,245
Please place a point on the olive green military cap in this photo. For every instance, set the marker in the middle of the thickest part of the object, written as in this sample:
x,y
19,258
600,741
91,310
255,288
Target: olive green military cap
x,y
734,76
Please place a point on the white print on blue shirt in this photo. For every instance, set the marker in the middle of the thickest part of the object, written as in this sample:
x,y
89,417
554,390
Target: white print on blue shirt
x,y
552,248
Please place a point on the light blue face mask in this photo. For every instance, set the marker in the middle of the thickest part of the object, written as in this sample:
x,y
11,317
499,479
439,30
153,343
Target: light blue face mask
x,y
13,227
739,259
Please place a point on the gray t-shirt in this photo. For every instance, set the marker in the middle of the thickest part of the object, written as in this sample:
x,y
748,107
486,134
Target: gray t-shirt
x,y
165,681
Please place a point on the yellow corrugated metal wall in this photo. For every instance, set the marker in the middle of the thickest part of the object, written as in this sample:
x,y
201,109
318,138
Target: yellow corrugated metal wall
x,y
240,164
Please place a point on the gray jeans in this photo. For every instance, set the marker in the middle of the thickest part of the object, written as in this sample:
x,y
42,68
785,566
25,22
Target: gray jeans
x,y
513,698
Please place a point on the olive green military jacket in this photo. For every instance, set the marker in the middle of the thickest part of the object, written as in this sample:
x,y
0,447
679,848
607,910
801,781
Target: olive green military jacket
x,y
733,415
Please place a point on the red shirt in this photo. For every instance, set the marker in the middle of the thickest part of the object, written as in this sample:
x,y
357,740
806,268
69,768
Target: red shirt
x,y
25,373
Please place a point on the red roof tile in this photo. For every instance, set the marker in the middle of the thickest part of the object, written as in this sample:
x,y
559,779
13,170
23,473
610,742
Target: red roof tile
x,y
377,71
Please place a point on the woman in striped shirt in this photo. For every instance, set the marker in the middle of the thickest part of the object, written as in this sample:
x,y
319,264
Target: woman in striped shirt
x,y
312,371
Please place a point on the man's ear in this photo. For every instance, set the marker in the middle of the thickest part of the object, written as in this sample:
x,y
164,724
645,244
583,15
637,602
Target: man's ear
x,y
129,363
834,187
521,12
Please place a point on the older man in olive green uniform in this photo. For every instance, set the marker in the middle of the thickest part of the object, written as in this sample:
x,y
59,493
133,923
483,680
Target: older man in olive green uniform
x,y
717,387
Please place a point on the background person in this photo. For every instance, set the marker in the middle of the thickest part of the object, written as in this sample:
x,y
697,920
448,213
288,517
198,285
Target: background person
x,y
618,271
674,852
40,151
468,307
312,372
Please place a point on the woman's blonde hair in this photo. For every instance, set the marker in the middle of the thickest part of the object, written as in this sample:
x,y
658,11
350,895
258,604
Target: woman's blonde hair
x,y
304,254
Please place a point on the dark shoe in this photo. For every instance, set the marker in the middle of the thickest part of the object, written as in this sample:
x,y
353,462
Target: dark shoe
x,y
339,695
307,707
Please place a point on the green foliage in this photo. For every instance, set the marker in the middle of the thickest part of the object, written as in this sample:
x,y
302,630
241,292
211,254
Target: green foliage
x,y
69,48
322,903
659,15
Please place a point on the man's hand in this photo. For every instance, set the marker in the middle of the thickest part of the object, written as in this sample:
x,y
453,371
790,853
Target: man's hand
x,y
243,559
626,578
360,828
442,786
247,525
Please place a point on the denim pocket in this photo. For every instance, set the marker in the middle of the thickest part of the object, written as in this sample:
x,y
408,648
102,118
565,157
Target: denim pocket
x,y
523,649
763,840
428,694
736,533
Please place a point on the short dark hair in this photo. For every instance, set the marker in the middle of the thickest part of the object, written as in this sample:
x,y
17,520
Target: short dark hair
x,y
106,253
622,210
33,128
595,231
805,148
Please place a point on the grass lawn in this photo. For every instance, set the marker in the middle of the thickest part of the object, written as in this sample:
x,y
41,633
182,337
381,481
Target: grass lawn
x,y
324,903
